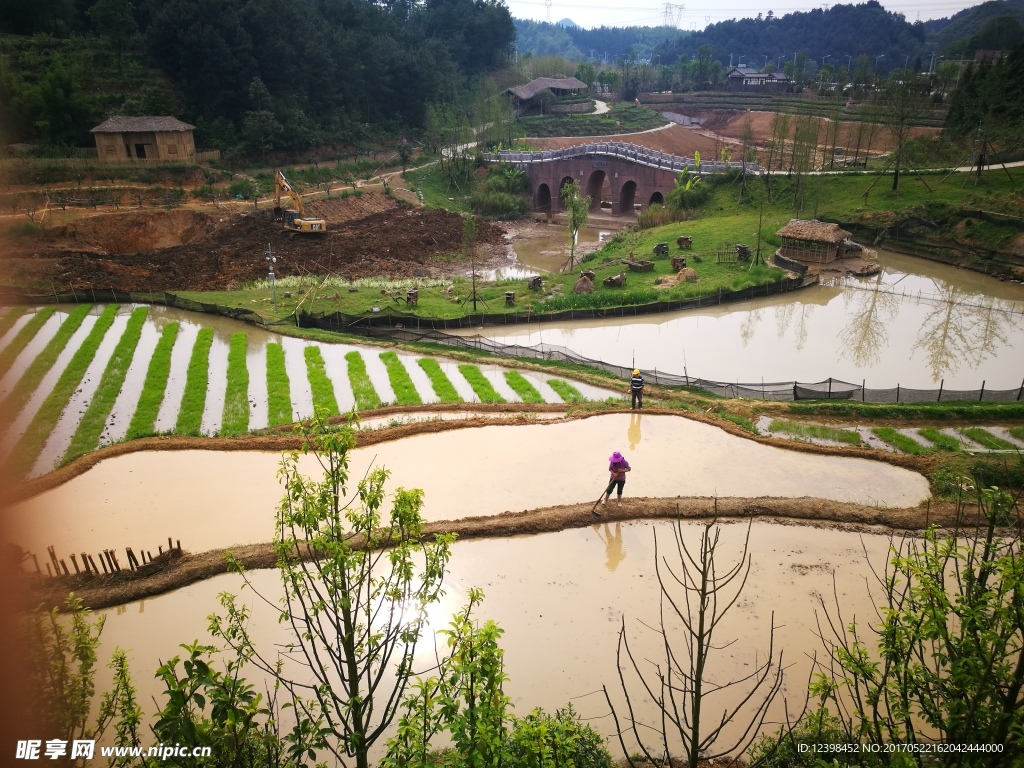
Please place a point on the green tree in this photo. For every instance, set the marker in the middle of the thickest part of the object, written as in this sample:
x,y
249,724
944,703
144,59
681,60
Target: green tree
x,y
63,670
587,73
356,590
115,20
903,105
577,209
945,660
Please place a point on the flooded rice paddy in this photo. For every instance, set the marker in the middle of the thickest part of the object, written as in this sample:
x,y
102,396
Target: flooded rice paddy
x,y
211,499
561,598
915,324
296,371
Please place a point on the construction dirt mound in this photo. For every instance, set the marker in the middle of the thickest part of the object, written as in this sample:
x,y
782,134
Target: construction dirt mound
x,y
196,251
132,232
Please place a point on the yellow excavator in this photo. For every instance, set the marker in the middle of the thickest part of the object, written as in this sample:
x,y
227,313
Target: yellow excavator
x,y
294,219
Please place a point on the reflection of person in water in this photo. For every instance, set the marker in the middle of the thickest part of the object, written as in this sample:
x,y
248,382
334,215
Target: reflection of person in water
x,y
634,431
613,546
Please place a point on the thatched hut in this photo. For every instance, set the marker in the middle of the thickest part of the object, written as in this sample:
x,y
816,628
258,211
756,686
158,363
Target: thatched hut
x,y
583,285
813,242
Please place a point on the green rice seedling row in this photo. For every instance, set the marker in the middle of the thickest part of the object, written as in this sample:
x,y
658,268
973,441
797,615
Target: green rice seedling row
x,y
193,401
153,389
483,388
940,439
324,399
900,441
566,391
1017,432
526,391
985,438
27,448
279,392
405,390
443,387
815,431
90,428
23,337
235,420
34,374
362,388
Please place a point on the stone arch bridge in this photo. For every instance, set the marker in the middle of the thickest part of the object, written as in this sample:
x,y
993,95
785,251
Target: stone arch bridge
x,y
624,175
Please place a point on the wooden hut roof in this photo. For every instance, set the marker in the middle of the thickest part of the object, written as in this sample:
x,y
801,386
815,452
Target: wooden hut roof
x,y
144,124
534,87
814,231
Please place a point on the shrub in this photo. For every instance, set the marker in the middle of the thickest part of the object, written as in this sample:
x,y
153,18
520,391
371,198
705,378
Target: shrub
x,y
499,205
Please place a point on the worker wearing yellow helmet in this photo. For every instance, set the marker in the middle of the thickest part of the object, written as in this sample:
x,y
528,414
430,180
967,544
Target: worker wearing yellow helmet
x,y
636,389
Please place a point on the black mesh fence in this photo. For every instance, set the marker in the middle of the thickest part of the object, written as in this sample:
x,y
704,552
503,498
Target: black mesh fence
x,y
406,327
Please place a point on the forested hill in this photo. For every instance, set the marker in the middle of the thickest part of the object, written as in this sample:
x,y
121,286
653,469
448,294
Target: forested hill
x,y
299,71
947,32
842,33
602,44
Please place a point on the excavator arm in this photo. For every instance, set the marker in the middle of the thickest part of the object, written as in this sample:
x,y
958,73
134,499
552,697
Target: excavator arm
x,y
294,219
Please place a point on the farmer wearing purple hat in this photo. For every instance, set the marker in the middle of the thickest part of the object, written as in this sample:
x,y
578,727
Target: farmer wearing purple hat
x,y
618,467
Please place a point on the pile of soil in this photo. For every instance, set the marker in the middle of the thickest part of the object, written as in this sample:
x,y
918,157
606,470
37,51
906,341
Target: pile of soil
x,y
184,250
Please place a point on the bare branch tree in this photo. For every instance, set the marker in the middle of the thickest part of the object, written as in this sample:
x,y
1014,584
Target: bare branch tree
x,y
695,596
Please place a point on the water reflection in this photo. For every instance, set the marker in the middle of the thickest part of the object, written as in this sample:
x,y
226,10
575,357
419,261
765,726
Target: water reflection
x,y
867,333
633,432
956,330
614,547
914,324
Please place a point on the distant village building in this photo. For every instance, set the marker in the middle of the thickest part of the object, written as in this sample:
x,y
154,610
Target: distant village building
x,y
750,80
561,87
144,139
812,242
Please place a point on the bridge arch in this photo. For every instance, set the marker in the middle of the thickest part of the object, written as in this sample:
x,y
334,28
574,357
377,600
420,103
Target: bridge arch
x,y
542,200
595,188
627,197
657,199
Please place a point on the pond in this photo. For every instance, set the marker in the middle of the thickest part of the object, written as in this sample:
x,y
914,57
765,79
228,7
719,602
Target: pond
x,y
917,323
561,599
211,499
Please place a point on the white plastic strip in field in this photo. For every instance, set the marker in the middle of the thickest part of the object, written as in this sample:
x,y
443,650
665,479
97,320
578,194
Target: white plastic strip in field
x,y
256,362
298,376
31,352
128,399
497,378
378,374
20,323
167,418
60,438
216,385
20,423
336,368
540,383
419,377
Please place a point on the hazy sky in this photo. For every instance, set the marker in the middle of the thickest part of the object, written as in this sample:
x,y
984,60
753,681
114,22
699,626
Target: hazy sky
x,y
699,13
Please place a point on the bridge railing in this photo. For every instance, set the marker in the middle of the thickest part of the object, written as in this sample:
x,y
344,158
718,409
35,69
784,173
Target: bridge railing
x,y
652,158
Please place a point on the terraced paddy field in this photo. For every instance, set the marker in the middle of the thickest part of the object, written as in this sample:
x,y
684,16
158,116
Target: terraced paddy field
x,y
76,378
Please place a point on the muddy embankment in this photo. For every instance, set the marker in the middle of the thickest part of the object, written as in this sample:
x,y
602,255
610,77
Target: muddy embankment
x,y
171,573
366,236
983,241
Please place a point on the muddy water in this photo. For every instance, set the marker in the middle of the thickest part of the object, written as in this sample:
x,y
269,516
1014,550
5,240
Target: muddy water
x,y
549,251
941,323
210,499
561,599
